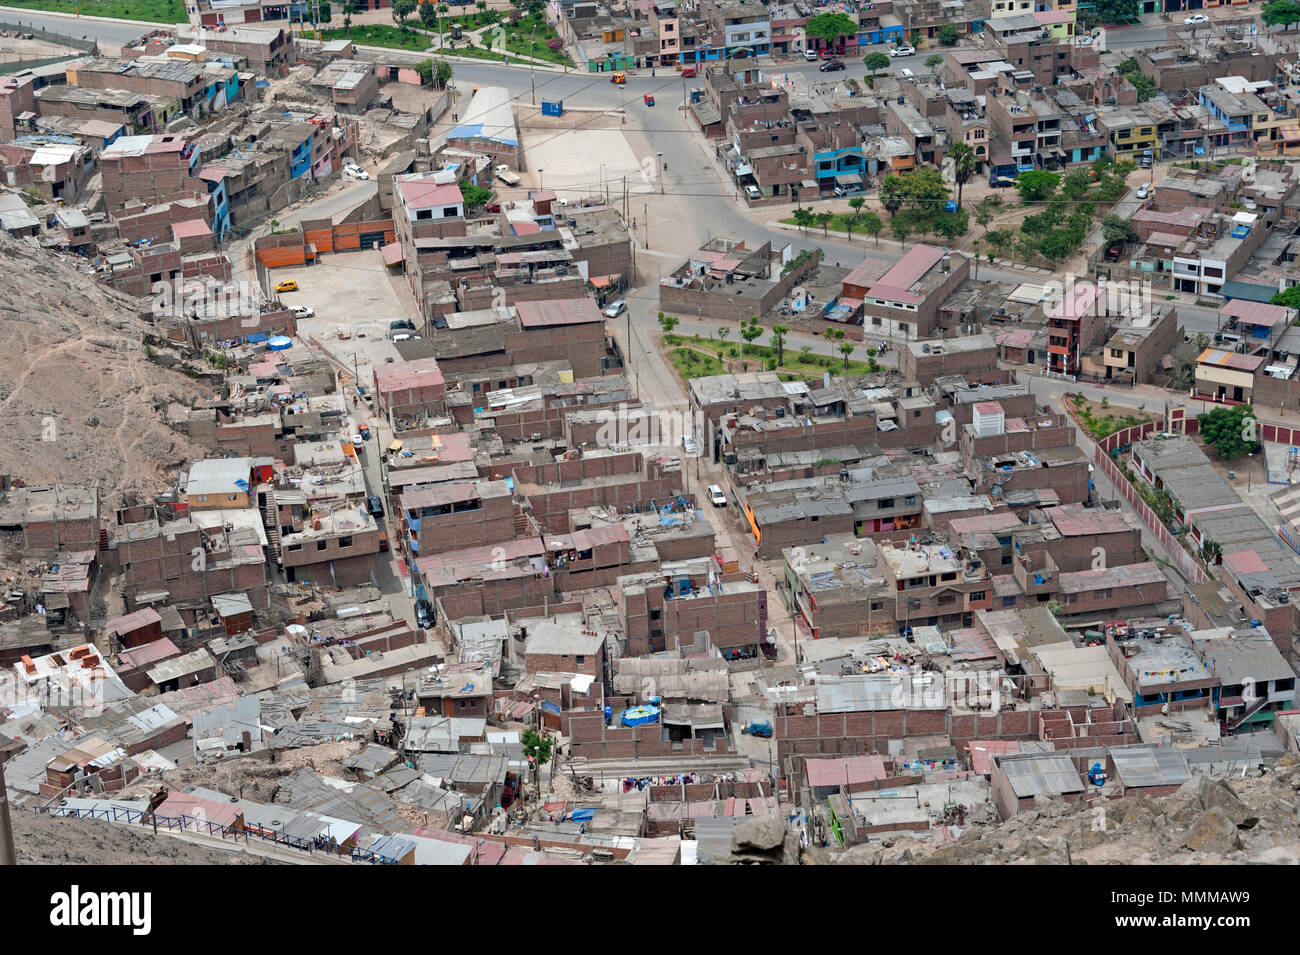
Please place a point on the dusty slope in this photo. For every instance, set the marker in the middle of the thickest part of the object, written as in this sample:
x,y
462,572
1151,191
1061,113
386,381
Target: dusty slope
x,y
79,400
1205,823
49,840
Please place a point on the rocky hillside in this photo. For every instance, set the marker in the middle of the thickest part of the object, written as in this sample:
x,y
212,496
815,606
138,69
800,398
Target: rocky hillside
x,y
79,400
1207,822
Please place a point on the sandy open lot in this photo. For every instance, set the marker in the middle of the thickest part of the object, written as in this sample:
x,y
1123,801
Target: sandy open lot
x,y
571,161
352,295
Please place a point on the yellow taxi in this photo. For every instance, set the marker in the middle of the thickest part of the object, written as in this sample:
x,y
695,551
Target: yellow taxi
x,y
288,285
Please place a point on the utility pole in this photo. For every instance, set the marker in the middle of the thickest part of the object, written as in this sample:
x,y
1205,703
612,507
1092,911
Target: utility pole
x,y
645,214
8,852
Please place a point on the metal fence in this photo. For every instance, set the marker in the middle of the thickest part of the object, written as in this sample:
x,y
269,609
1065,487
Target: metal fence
x,y
49,36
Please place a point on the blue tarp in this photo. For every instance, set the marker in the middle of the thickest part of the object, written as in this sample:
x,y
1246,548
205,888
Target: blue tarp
x,y
583,815
257,338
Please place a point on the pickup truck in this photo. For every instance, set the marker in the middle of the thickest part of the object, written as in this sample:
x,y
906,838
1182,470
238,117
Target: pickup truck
x,y
506,176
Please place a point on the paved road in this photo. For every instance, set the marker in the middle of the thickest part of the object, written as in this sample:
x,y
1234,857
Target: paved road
x,y
109,32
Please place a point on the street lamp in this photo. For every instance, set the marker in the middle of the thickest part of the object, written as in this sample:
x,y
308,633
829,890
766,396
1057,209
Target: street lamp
x,y
539,178
661,173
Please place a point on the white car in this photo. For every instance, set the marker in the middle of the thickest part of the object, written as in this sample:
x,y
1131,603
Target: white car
x,y
1199,18
689,447
810,56
717,496
1144,190
753,193
303,311
353,172
616,309
903,51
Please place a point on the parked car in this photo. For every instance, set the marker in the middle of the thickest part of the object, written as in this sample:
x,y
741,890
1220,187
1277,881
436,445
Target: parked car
x,y
288,285
717,496
1112,254
903,51
400,323
354,172
831,66
494,206
689,446
753,193
1144,190
402,336
425,615
810,56
688,73
303,311
825,54
616,309
375,505
1198,18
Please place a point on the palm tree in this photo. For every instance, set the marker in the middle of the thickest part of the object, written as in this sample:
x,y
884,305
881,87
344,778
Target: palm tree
x,y
778,339
846,349
824,220
963,160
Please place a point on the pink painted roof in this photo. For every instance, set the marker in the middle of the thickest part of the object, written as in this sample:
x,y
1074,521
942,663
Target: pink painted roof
x,y
1076,302
565,311
1230,359
1254,313
149,653
425,193
982,752
421,373
191,229
896,284
837,772
525,228
988,407
1245,562
1054,16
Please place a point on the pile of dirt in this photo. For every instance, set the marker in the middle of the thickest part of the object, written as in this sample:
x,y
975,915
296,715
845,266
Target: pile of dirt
x,y
1206,822
55,840
79,399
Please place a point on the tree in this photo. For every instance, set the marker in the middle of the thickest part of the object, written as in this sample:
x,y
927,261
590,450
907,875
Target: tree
x,y
805,351
984,214
425,69
1037,185
1001,240
668,323
875,62
1230,431
1211,551
901,226
473,195
963,164
723,332
824,220
846,349
947,34
1116,230
429,16
537,749
481,5
750,332
831,26
442,74
1281,13
1113,11
856,204
401,10
1290,297
778,339
872,225
803,218
891,194
933,60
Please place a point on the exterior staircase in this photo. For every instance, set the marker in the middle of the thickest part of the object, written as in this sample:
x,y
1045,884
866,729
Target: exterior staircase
x,y
271,521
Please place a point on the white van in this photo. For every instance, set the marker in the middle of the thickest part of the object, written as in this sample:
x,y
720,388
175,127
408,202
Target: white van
x,y
906,74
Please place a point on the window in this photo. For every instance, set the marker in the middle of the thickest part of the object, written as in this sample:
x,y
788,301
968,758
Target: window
x,y
582,659
424,214
977,596
1008,601
295,547
1103,594
345,541
886,502
320,545
450,212
947,599
909,500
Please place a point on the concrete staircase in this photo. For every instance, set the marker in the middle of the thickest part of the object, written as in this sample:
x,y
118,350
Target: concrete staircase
x,y
271,521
